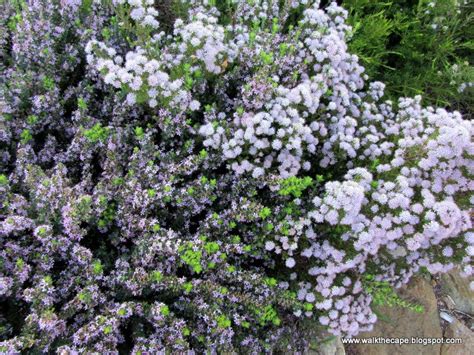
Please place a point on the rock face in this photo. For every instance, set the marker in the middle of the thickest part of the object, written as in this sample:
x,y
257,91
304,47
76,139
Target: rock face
x,y
333,347
458,330
397,322
458,289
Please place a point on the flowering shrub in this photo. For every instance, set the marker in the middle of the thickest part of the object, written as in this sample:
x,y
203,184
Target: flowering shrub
x,y
211,176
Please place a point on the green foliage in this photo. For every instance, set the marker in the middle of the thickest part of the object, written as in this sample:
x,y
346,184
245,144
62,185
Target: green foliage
x,y
384,295
151,193
42,231
97,267
97,133
268,315
191,257
108,216
32,119
3,179
117,181
48,83
416,48
83,207
26,136
265,212
121,312
267,58
223,322
203,154
86,7
84,296
271,282
81,104
165,310
156,276
139,133
211,247
20,263
294,186
107,329
188,286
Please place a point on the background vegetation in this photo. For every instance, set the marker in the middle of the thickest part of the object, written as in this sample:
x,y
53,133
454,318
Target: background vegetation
x,y
417,47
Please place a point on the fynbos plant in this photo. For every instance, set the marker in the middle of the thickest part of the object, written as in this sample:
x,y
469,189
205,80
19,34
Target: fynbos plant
x,y
214,183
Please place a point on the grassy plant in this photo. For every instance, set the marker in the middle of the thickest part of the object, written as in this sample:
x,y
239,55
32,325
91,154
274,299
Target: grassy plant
x,y
417,47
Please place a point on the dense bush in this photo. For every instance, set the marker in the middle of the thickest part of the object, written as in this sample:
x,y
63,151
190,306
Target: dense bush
x,y
417,47
211,175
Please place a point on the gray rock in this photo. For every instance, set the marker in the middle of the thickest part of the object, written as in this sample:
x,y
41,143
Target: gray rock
x,y
331,347
458,330
458,289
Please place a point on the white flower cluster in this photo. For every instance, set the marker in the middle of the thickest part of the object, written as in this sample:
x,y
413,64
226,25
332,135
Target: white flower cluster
x,y
341,203
160,76
410,210
287,134
143,78
202,40
264,138
141,11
